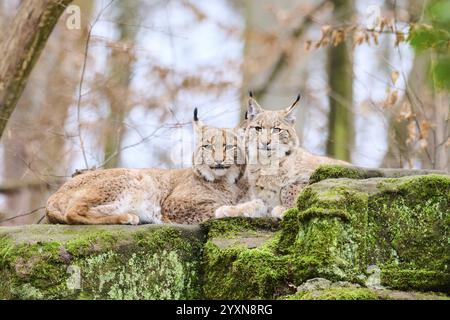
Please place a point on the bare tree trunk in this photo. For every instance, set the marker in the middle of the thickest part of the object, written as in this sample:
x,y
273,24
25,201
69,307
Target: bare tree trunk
x,y
34,159
120,74
340,79
22,47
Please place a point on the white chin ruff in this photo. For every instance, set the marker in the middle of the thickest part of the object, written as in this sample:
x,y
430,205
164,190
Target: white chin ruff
x,y
219,172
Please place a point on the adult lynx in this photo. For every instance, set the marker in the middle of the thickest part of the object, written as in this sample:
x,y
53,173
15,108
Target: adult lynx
x,y
132,196
278,168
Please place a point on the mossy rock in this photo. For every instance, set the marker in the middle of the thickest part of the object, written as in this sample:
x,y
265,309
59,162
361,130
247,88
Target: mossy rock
x,y
391,236
324,289
401,225
363,294
100,262
355,172
241,262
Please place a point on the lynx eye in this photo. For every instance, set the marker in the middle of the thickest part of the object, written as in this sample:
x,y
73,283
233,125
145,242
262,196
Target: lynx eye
x,y
229,147
258,128
207,146
276,130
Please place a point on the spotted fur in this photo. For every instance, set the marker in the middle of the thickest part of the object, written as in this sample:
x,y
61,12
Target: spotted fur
x,y
132,196
278,168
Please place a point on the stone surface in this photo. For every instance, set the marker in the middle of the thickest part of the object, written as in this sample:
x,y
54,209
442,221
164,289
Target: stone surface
x,y
355,172
400,225
100,262
353,237
323,289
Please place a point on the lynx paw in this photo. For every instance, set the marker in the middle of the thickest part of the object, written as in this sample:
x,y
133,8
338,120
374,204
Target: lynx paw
x,y
131,219
254,209
277,212
226,211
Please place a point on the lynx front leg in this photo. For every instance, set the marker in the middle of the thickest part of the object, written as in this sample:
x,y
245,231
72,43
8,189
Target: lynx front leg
x,y
278,211
254,209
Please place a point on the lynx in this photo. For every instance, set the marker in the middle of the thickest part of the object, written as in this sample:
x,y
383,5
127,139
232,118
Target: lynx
x,y
278,168
133,196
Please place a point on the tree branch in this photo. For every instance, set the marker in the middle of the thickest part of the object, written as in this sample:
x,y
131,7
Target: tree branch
x,y
15,186
278,66
22,47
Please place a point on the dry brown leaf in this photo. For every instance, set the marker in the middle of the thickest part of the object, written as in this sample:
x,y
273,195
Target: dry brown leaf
x,y
423,143
358,38
198,13
366,37
337,37
375,37
412,132
405,112
394,76
392,98
326,29
399,37
425,127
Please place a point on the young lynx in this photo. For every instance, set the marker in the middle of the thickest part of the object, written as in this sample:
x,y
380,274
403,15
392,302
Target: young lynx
x,y
132,196
277,167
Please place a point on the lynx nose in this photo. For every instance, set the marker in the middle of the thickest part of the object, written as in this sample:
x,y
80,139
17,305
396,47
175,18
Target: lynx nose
x,y
265,145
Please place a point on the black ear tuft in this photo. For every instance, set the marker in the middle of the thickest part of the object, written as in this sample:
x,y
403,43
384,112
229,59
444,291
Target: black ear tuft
x,y
246,115
195,114
250,93
294,103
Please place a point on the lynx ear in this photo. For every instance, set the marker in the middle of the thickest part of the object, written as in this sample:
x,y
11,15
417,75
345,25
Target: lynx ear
x,y
253,108
196,122
290,111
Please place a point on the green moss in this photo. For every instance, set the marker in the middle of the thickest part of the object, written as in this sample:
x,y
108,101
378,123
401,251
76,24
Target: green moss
x,y
335,294
416,279
339,229
142,275
342,226
228,227
338,171
353,172
116,262
330,239
354,293
240,270
408,237
290,226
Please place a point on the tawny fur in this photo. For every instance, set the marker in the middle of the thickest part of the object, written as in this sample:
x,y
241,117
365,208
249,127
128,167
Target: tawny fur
x,y
278,168
132,196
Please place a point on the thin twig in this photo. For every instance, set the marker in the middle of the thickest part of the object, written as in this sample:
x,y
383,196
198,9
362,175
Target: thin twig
x,y
22,215
128,147
80,87
41,218
280,62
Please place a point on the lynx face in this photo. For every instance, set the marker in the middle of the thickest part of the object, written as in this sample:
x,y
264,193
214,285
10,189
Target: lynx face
x,y
271,133
218,154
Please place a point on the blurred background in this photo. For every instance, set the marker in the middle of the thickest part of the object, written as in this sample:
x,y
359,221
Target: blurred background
x,y
374,77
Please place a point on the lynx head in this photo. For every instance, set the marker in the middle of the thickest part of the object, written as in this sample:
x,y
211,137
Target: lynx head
x,y
219,153
272,133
